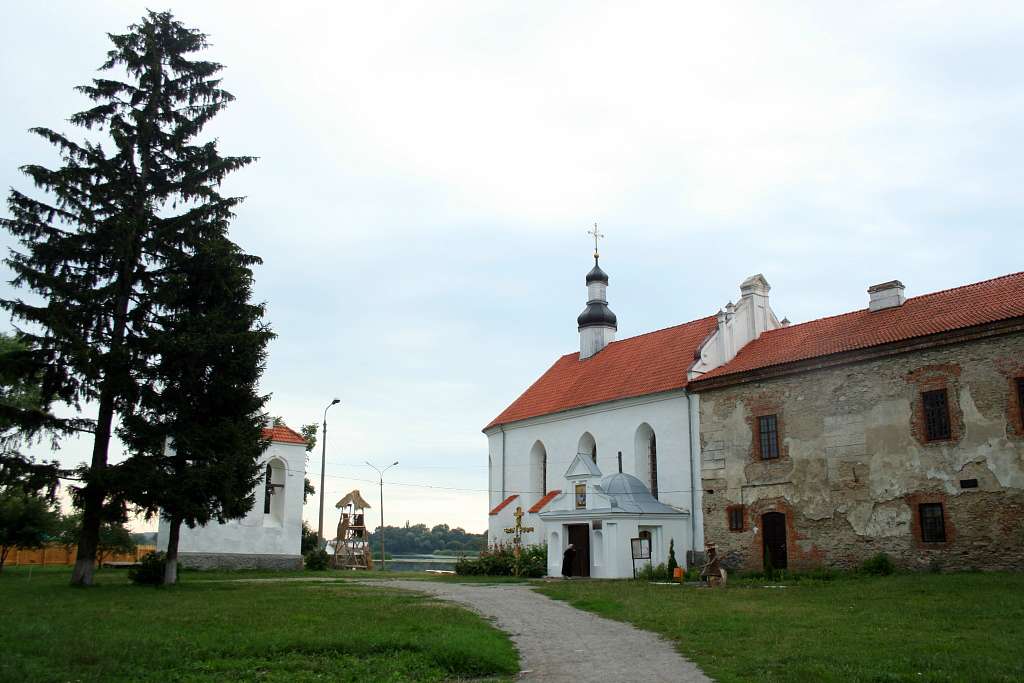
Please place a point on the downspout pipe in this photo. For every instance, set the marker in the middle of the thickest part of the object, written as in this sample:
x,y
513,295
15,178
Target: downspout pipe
x,y
502,428
696,497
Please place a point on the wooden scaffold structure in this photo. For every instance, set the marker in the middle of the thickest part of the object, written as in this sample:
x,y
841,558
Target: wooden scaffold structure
x,y
352,544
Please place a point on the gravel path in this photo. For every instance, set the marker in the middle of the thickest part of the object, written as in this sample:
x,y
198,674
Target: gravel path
x,y
557,642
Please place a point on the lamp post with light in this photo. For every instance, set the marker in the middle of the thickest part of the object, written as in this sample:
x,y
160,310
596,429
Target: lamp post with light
x,y
380,473
323,467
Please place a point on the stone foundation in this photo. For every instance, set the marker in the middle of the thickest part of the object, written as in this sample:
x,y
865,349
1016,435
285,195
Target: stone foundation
x,y
239,561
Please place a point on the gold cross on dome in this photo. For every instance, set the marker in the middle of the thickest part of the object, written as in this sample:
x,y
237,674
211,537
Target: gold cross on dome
x,y
597,235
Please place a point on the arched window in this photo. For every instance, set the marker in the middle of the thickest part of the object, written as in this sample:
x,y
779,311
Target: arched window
x,y
588,446
646,460
273,493
538,469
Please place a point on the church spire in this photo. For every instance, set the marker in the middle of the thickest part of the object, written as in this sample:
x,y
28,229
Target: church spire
x,y
597,324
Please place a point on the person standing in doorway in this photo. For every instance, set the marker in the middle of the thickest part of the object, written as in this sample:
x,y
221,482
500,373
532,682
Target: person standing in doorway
x,y
568,559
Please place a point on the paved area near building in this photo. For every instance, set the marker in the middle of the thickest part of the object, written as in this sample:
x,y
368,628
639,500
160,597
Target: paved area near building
x,y
557,642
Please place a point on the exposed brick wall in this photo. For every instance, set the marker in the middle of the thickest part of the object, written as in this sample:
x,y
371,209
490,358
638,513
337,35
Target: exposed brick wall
x,y
857,464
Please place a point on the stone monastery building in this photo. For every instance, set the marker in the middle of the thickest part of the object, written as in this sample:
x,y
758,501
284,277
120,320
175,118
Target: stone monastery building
x,y
897,428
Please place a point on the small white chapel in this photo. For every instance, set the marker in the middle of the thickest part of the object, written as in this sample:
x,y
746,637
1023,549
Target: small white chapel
x,y
604,447
270,535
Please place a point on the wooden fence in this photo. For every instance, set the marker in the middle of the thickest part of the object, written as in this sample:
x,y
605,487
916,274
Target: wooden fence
x,y
62,555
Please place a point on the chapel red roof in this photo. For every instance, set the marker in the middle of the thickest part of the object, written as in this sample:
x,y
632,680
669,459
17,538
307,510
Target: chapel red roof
x,y
283,434
539,505
501,506
645,364
989,301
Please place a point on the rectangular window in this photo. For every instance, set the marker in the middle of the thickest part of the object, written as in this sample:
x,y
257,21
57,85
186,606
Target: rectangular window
x,y
1020,398
768,428
933,525
936,415
736,518
581,496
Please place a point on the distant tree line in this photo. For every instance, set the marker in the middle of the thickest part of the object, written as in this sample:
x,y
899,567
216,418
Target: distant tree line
x,y
424,540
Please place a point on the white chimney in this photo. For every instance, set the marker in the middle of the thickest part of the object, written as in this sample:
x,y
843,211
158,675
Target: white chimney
x,y
885,295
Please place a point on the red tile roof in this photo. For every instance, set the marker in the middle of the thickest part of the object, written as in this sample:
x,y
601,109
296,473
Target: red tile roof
x,y
993,300
501,506
645,364
548,497
283,434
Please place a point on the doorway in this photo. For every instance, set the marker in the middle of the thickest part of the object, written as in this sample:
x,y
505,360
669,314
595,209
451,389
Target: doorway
x,y
579,536
773,525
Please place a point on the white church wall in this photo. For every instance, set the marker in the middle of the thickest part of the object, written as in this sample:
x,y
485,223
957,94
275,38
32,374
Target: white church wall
x,y
257,540
614,427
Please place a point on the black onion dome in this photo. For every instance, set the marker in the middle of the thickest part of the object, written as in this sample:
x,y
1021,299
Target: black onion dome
x,y
596,274
596,314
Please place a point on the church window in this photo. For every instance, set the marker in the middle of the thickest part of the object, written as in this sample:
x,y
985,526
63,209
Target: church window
x,y
581,496
587,447
538,467
654,466
936,414
735,513
544,474
269,490
933,524
768,431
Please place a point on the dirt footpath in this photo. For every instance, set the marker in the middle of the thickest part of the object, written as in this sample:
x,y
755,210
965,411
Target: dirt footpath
x,y
557,642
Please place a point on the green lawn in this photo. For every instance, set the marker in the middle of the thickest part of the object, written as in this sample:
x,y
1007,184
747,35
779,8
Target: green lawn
x,y
205,630
920,627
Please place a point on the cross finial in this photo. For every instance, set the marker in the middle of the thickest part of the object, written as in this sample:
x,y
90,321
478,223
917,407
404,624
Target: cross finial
x,y
597,235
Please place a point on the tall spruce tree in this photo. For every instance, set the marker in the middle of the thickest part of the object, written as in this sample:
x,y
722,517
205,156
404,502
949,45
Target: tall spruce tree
x,y
197,437
92,248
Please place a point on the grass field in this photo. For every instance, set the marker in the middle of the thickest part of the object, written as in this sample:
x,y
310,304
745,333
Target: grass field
x,y
208,630
921,627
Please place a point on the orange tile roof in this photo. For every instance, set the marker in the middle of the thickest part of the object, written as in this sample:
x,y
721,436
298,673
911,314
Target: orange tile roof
x,y
645,364
548,497
283,434
989,301
501,506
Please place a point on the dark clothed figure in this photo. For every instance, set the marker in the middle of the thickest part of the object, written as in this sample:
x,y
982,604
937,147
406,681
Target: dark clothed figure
x,y
568,559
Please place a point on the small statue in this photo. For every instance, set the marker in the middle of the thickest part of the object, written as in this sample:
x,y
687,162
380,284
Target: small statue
x,y
712,572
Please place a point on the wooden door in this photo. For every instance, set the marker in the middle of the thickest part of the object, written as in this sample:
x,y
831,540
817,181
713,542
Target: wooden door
x,y
773,529
579,536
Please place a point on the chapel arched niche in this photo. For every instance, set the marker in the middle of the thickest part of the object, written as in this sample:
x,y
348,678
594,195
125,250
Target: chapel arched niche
x,y
588,446
273,493
538,469
646,459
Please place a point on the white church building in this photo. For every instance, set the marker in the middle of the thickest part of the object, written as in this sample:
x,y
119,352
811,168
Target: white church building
x,y
604,447
270,535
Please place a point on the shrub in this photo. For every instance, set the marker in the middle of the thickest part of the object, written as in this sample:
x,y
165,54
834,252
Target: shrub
x,y
672,564
317,560
879,565
651,573
500,560
149,571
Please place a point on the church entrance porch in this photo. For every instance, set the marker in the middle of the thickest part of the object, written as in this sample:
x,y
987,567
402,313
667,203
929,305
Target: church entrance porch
x,y
773,525
579,536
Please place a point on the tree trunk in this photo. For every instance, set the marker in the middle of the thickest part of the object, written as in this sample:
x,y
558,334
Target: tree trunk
x,y
92,509
3,555
171,568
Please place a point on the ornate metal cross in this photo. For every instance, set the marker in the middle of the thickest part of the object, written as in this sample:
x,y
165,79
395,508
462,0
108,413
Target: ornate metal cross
x,y
518,530
597,235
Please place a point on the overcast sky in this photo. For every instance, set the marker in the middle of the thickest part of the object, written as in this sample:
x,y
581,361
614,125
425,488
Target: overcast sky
x,y
428,172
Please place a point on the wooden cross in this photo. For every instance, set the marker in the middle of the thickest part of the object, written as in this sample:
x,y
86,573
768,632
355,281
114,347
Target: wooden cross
x,y
597,235
518,530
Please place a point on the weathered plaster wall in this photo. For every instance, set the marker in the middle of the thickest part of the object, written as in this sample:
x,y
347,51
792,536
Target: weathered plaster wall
x,y
855,464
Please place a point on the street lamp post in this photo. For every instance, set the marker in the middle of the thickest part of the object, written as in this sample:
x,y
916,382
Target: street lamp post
x,y
323,466
380,473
